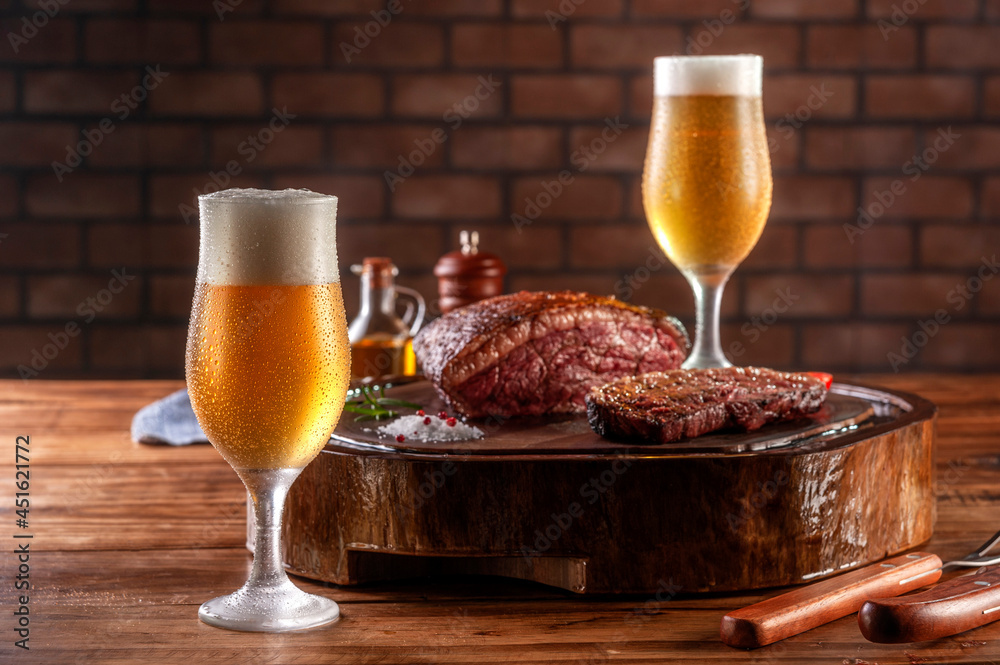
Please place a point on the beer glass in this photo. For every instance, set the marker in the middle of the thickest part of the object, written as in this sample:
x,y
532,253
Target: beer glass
x,y
706,183
268,366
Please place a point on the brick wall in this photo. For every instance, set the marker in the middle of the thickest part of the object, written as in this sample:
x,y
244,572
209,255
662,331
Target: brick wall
x,y
141,102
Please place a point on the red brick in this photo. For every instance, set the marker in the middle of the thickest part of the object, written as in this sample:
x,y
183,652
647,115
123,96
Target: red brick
x,y
55,41
962,47
294,145
591,281
710,9
400,45
919,96
534,247
776,248
142,41
859,47
452,97
566,96
380,145
784,144
809,96
666,289
171,295
67,92
138,350
454,8
149,245
619,46
777,44
812,197
590,146
208,93
811,295
10,195
8,91
171,245
447,197
882,245
35,143
518,147
640,97
973,149
957,245
859,147
18,344
338,95
991,197
992,9
40,245
749,346
111,245
326,7
85,296
525,46
928,9
911,294
853,346
930,196
167,193
988,300
150,144
87,5
359,196
959,346
552,10
412,245
804,9
221,11
82,195
10,296
625,246
991,98
268,42
585,197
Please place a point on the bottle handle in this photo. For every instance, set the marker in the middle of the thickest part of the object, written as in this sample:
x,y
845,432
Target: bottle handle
x,y
413,317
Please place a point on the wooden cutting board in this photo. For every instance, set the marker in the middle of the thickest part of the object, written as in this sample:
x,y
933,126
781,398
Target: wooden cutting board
x,y
549,500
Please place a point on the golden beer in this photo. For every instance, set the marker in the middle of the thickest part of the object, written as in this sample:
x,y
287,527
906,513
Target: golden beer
x,y
707,179
267,370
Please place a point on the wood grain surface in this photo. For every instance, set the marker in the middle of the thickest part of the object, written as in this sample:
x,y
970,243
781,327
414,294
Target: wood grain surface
x,y
129,539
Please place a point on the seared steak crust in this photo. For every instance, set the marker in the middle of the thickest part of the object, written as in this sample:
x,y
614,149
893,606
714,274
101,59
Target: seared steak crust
x,y
661,407
534,353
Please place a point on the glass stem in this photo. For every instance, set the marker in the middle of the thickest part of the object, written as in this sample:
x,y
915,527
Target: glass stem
x,y
707,351
268,488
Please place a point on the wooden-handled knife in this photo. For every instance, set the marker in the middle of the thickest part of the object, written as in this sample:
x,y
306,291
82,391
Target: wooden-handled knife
x,y
804,608
955,606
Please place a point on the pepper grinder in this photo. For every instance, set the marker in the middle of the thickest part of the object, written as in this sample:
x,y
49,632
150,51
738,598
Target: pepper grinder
x,y
468,275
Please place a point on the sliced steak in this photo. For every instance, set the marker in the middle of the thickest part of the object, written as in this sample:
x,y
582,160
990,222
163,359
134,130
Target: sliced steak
x,y
660,407
534,353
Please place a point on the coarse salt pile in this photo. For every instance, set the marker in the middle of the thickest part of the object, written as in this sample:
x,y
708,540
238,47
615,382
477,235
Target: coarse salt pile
x,y
425,428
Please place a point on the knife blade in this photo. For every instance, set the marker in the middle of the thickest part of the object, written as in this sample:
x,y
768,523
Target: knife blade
x,y
955,606
805,608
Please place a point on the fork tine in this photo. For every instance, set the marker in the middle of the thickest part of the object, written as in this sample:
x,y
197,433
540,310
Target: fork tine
x,y
986,547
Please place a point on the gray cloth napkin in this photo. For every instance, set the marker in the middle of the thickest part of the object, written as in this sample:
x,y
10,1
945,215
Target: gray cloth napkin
x,y
170,420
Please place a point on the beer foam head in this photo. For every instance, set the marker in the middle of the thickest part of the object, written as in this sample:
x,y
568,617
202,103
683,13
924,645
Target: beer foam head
x,y
736,75
259,236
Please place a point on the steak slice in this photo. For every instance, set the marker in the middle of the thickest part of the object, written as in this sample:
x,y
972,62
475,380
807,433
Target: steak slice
x,y
534,353
661,407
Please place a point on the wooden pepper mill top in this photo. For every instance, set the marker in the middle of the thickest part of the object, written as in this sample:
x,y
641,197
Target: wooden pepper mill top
x,y
468,275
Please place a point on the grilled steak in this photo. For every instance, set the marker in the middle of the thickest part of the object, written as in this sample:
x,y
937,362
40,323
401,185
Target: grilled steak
x,y
539,353
661,407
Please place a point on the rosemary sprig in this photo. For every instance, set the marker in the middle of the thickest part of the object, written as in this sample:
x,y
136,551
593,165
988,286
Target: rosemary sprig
x,y
371,406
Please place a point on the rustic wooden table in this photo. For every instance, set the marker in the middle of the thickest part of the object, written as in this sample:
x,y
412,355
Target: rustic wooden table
x,y
128,539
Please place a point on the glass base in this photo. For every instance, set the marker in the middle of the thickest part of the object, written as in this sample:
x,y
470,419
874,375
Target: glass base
x,y
273,609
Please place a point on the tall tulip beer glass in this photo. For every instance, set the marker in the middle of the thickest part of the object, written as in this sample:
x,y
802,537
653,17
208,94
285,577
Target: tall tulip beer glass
x,y
268,364
706,185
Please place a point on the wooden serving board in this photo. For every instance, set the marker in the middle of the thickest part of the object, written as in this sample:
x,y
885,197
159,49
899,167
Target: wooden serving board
x,y
549,500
